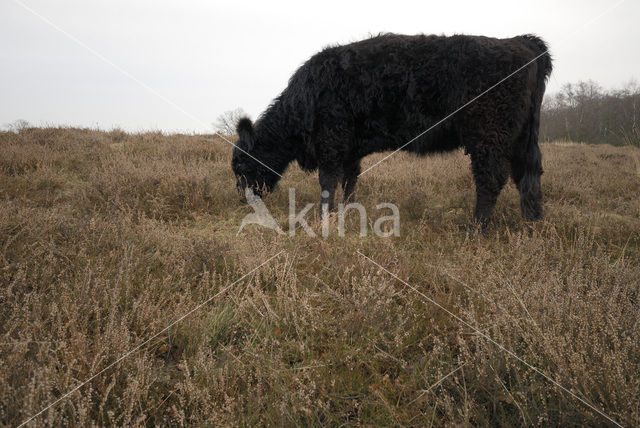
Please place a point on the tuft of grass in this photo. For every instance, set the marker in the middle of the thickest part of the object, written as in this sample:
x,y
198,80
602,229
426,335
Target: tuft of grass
x,y
106,238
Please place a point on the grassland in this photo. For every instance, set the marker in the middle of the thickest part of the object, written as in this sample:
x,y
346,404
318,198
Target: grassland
x,y
106,238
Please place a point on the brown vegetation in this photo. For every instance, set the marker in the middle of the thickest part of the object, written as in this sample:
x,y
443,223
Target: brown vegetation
x,y
106,238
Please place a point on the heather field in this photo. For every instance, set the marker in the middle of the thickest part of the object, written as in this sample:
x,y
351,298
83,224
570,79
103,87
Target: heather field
x,y
108,238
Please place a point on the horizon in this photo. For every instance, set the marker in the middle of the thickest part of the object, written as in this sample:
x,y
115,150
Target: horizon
x,y
175,69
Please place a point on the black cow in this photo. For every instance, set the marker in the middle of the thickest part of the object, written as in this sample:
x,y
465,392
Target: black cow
x,y
377,94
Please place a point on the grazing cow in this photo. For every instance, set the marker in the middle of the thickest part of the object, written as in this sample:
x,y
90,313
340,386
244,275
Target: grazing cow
x,y
377,94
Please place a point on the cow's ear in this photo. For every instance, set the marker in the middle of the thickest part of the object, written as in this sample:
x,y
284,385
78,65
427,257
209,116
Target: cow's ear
x,y
245,132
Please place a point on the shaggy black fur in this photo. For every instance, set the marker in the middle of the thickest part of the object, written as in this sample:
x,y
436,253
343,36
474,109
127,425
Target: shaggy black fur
x,y
374,95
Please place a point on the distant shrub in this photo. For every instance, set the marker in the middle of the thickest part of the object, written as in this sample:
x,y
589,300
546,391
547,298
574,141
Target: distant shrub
x,y
18,125
226,123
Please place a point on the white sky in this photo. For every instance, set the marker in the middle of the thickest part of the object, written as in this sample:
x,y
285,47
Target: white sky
x,y
208,56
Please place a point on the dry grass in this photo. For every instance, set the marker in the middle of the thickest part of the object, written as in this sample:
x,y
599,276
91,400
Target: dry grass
x,y
106,238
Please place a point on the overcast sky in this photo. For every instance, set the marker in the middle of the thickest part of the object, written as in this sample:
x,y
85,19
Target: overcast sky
x,y
206,57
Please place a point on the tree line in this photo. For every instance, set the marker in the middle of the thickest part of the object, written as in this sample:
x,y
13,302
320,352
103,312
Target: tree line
x,y
585,112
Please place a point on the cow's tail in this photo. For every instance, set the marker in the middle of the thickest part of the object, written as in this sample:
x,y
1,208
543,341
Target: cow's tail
x,y
531,157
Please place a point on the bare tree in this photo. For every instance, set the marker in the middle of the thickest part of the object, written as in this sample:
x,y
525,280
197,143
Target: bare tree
x,y
226,123
18,125
586,112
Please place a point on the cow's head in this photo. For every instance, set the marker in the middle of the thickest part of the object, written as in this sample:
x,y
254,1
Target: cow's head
x,y
250,170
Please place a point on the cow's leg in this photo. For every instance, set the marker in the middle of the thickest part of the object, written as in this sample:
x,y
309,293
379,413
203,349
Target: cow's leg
x,y
328,182
331,148
490,172
526,169
349,179
526,174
